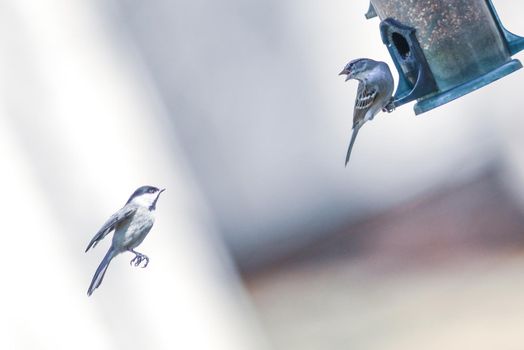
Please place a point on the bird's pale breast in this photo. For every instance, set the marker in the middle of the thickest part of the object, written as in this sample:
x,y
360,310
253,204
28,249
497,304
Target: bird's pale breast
x,y
130,233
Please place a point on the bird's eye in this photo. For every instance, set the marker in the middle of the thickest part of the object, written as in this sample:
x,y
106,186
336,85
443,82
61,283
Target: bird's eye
x,y
151,190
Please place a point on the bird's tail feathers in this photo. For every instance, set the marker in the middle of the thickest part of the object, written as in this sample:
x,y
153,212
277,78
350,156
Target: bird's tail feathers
x,y
100,271
91,244
353,138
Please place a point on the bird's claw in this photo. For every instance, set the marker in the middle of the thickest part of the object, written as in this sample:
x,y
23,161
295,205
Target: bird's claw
x,y
390,107
137,260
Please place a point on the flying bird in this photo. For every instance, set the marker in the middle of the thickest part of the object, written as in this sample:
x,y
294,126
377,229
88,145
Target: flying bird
x,y
131,224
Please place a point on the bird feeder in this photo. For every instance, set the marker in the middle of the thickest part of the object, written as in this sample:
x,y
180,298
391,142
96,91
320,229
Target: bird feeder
x,y
444,49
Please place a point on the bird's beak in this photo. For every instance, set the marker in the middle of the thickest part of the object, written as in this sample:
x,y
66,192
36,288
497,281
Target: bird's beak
x,y
346,72
158,195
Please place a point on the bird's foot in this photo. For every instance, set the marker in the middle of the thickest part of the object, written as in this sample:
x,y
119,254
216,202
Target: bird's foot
x,y
390,107
137,260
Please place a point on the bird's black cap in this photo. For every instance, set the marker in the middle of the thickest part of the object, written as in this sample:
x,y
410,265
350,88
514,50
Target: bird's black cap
x,y
141,190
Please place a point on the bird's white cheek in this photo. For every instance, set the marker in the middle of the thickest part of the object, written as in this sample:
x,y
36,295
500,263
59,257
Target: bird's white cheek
x,y
145,200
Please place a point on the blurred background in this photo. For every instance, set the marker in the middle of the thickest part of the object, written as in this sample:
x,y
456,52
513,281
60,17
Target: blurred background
x,y
263,239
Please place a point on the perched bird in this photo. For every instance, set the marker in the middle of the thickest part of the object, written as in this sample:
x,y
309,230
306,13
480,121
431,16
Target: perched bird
x,y
131,224
374,92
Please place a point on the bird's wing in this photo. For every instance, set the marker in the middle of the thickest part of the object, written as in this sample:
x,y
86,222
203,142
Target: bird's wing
x,y
365,98
110,224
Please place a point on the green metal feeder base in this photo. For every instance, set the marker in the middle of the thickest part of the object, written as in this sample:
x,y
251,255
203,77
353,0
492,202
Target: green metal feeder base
x,y
426,104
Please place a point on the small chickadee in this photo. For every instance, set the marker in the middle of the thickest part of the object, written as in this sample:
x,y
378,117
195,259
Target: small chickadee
x,y
374,92
132,223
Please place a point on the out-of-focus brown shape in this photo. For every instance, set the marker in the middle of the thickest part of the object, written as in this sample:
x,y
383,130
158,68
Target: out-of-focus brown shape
x,y
444,271
474,217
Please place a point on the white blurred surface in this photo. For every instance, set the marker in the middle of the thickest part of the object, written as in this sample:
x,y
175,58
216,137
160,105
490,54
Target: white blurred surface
x,y
80,129
474,303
